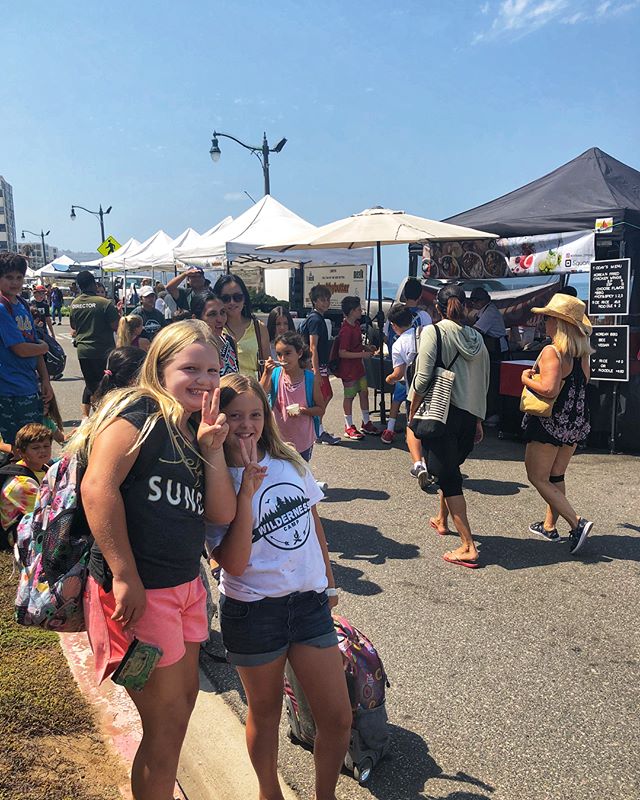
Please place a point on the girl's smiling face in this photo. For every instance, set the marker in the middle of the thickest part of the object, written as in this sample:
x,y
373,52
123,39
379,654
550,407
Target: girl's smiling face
x,y
245,417
215,315
233,299
192,372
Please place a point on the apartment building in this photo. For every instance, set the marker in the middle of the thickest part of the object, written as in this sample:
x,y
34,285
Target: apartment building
x,y
8,239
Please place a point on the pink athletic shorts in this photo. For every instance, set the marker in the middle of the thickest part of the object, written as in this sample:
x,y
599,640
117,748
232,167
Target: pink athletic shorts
x,y
172,617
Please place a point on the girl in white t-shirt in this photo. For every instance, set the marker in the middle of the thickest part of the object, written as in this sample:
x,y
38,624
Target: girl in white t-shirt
x,y
277,590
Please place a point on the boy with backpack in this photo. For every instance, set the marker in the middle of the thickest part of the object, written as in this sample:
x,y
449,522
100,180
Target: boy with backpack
x,y
351,354
314,331
403,355
20,481
21,354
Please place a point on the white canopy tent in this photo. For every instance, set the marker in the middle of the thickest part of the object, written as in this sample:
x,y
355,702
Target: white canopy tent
x,y
60,267
141,257
129,246
267,220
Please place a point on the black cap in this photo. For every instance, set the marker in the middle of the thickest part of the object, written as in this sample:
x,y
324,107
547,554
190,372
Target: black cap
x,y
479,294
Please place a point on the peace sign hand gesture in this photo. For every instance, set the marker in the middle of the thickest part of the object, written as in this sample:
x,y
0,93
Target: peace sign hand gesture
x,y
253,474
213,427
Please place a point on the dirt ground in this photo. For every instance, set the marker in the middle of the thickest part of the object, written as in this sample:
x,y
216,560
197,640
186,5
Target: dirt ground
x,y
50,745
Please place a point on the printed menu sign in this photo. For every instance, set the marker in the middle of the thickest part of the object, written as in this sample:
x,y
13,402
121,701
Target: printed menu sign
x,y
609,286
610,362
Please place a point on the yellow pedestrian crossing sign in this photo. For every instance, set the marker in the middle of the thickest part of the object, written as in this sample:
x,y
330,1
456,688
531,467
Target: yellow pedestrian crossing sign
x,y
110,245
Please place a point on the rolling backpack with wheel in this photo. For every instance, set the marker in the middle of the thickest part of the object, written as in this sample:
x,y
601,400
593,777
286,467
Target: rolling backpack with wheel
x,y
366,683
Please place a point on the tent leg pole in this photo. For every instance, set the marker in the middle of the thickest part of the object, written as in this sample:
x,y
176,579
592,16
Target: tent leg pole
x,y
383,410
369,290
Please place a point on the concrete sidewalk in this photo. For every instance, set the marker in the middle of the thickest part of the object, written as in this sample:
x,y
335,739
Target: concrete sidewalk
x,y
214,764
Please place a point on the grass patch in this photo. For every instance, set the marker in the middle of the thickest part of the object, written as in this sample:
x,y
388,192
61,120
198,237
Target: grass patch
x,y
51,747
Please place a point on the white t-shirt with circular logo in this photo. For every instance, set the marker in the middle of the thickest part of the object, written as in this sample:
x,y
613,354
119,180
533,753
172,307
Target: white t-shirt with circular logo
x,y
285,552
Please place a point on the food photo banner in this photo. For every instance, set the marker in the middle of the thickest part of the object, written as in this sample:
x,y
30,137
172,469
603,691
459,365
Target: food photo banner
x,y
505,258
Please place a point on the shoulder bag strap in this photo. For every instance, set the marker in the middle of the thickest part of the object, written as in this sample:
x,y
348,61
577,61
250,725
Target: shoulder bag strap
x,y
261,357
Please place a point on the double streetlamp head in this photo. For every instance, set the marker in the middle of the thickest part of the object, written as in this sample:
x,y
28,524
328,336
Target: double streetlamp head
x,y
42,233
261,153
98,213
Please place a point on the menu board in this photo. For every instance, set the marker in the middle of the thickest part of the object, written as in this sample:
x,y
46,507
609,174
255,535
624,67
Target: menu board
x,y
341,281
609,286
610,362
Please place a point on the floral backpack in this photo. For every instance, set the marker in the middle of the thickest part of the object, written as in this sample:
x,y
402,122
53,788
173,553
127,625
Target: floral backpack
x,y
53,547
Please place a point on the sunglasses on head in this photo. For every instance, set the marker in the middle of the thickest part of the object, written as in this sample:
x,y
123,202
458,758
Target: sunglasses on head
x,y
237,297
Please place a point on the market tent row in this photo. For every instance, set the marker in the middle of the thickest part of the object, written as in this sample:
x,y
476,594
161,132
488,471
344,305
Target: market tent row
x,y
571,198
61,267
240,242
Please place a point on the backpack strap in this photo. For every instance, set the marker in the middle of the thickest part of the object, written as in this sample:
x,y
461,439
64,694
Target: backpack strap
x,y
275,380
16,471
309,378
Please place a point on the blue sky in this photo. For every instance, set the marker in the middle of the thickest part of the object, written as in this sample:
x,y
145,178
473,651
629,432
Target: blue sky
x,y
432,107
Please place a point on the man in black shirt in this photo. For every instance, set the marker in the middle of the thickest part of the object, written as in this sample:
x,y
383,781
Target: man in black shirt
x,y
314,330
196,283
40,302
152,319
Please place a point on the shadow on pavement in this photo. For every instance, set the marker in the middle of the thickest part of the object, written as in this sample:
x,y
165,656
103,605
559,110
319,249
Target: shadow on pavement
x,y
492,487
364,543
510,553
402,775
343,495
351,580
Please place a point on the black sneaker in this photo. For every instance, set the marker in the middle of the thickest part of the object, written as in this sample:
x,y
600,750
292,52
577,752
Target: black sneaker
x,y
538,527
578,535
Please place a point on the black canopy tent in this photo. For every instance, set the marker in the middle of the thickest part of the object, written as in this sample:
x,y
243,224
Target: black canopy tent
x,y
570,198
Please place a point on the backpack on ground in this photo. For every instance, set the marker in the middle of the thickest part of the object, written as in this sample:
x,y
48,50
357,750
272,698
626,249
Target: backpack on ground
x,y
53,547
7,473
308,387
366,683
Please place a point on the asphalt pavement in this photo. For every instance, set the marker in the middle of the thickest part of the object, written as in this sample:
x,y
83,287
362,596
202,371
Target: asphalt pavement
x,y
516,680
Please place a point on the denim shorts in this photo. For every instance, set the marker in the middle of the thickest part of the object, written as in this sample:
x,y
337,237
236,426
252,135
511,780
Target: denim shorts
x,y
261,631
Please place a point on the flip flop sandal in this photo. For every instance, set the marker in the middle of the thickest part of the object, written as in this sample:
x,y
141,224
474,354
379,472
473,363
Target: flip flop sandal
x,y
460,563
437,530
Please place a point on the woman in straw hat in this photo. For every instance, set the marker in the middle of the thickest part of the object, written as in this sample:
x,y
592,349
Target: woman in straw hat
x,y
561,372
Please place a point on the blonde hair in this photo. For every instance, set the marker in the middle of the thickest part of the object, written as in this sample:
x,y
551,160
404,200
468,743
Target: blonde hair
x,y
166,345
126,327
236,384
570,341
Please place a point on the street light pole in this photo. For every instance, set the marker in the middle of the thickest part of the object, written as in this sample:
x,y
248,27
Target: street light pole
x,y
99,213
42,234
261,153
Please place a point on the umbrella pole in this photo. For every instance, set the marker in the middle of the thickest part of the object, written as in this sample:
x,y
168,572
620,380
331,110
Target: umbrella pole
x,y
383,411
369,290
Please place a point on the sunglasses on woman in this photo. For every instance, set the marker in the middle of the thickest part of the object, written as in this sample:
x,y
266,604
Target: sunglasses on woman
x,y
237,297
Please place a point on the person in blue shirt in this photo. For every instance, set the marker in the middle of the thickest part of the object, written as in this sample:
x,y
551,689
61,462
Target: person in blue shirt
x,y
21,353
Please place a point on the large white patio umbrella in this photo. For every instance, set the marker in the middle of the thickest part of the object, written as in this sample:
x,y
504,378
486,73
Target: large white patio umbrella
x,y
375,227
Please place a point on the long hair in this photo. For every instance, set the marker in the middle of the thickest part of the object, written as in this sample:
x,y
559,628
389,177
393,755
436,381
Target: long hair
x,y
224,280
122,370
126,327
166,345
570,341
451,303
272,319
233,385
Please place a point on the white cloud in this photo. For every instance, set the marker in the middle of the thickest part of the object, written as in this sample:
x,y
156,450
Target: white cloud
x,y
233,197
517,18
485,8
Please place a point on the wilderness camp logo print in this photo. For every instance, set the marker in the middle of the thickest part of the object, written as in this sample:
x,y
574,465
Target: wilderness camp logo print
x,y
283,517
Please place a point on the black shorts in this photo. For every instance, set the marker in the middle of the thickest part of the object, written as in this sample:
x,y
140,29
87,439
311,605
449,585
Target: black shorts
x,y
92,371
446,453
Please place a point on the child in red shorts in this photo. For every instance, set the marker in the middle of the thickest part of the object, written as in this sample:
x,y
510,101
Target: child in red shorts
x,y
351,353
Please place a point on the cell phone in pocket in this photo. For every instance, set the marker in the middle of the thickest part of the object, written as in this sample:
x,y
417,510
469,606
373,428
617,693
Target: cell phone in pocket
x,y
137,665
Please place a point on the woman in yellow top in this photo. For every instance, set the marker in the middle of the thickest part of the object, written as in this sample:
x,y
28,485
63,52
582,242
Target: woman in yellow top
x,y
250,335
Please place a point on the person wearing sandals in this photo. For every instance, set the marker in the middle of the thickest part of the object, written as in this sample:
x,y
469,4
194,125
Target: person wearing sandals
x,y
250,335
561,372
465,354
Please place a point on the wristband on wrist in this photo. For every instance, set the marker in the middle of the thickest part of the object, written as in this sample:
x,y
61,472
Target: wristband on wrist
x,y
331,592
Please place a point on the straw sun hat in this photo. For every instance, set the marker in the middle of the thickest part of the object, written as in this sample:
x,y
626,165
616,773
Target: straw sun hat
x,y
569,309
